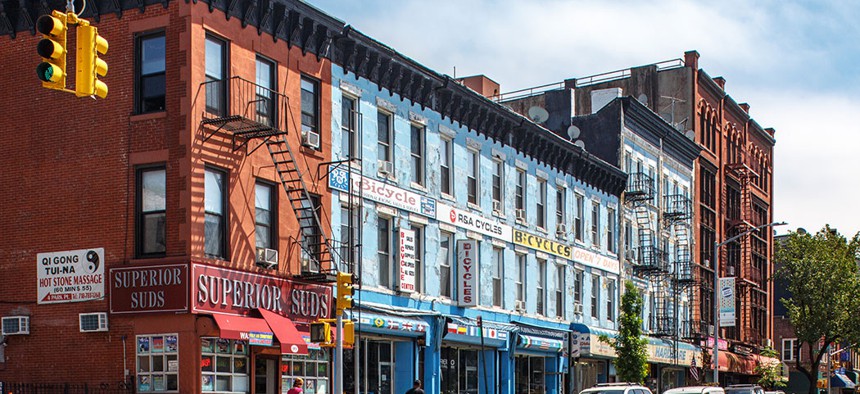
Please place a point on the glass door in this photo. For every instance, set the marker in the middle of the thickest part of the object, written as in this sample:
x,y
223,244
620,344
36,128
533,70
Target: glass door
x,y
265,373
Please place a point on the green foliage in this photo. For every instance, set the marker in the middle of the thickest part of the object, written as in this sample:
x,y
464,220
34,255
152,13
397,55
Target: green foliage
x,y
821,273
770,374
631,364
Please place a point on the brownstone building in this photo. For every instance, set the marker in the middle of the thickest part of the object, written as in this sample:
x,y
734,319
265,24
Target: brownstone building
x,y
733,188
161,239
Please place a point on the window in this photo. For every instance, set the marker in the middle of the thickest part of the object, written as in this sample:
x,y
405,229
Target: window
x,y
498,182
595,292
383,132
266,84
610,229
559,212
349,224
595,224
157,363
446,257
313,368
541,204
788,349
347,127
445,158
417,151
150,67
541,278
264,215
498,264
419,254
215,196
310,105
216,75
520,192
311,234
521,277
383,248
473,169
151,211
577,287
224,365
610,299
577,219
559,290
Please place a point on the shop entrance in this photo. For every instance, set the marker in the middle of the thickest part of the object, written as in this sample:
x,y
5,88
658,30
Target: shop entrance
x,y
531,374
459,371
265,375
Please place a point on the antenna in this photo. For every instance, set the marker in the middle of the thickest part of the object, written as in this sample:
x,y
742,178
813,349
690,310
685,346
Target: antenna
x,y
573,132
538,114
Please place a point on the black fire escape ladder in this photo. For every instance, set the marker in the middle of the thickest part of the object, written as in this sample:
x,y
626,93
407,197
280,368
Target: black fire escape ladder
x,y
664,307
317,251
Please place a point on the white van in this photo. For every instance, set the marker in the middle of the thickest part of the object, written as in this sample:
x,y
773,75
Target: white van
x,y
696,390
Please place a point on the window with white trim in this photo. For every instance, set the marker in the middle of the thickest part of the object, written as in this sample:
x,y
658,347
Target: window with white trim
x,y
559,290
541,204
384,240
521,277
445,159
595,296
446,257
498,264
224,365
157,363
417,152
541,284
498,181
383,136
577,218
610,229
788,349
473,169
595,224
559,211
520,192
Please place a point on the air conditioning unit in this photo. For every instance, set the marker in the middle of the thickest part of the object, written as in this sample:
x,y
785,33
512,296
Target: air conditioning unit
x,y
386,167
768,342
561,230
631,255
93,322
16,325
520,306
730,270
521,215
577,308
311,139
497,206
267,258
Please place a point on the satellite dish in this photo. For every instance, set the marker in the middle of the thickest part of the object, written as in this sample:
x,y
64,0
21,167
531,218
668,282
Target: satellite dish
x,y
538,114
643,99
573,132
690,134
580,144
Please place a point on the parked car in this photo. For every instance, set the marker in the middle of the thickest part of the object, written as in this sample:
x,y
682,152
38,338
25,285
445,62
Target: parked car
x,y
744,389
696,390
617,388
775,392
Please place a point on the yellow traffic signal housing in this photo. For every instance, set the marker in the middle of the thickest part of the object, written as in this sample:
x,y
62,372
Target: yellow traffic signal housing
x,y
344,291
89,66
52,49
348,333
320,332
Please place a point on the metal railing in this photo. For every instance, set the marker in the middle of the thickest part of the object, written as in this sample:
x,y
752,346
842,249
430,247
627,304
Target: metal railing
x,y
625,73
66,388
242,107
639,186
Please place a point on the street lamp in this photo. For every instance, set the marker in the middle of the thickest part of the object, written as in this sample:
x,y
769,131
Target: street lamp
x,y
717,247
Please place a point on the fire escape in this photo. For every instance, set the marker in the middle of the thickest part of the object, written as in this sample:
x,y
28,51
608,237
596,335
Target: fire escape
x,y
251,112
678,216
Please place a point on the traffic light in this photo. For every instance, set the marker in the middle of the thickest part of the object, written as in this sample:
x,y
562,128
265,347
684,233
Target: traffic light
x,y
320,332
52,49
89,66
344,291
348,333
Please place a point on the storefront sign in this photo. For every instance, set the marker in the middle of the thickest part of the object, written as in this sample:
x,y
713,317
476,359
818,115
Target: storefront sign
x,y
236,292
595,260
474,331
382,193
260,338
472,222
724,345
467,272
385,322
542,244
163,288
407,259
590,345
727,302
70,276
665,354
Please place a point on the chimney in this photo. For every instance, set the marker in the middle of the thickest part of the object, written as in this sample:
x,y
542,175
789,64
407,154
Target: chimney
x,y
745,107
720,81
481,84
691,59
599,98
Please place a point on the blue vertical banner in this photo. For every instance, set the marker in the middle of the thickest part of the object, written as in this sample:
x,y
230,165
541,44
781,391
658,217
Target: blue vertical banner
x,y
727,302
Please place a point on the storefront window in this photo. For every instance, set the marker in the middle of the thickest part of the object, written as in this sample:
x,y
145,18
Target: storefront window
x,y
459,371
157,363
224,365
313,368
530,374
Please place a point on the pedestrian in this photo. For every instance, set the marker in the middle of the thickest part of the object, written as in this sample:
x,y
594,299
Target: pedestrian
x,y
416,388
297,386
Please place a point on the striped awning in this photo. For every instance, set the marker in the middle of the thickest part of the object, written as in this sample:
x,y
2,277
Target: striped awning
x,y
540,343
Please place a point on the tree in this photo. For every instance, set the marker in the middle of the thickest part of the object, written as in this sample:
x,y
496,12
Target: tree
x,y
631,363
820,273
770,374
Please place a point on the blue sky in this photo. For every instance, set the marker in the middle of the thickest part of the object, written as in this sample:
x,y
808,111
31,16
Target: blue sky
x,y
794,62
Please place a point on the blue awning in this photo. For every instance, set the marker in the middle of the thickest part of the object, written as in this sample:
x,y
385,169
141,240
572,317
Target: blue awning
x,y
839,380
540,343
382,323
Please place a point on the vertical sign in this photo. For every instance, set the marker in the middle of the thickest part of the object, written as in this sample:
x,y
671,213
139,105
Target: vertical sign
x,y
467,272
727,302
407,259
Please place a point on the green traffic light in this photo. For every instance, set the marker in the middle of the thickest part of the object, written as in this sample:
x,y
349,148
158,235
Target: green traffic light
x,y
47,72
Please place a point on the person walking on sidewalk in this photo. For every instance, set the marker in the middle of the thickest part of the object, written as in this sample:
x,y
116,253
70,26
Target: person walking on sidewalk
x,y
416,388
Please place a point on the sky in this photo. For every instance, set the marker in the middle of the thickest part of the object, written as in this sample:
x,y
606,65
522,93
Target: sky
x,y
794,61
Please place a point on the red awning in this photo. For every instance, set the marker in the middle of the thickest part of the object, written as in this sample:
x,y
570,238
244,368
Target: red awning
x,y
286,332
240,327
737,363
